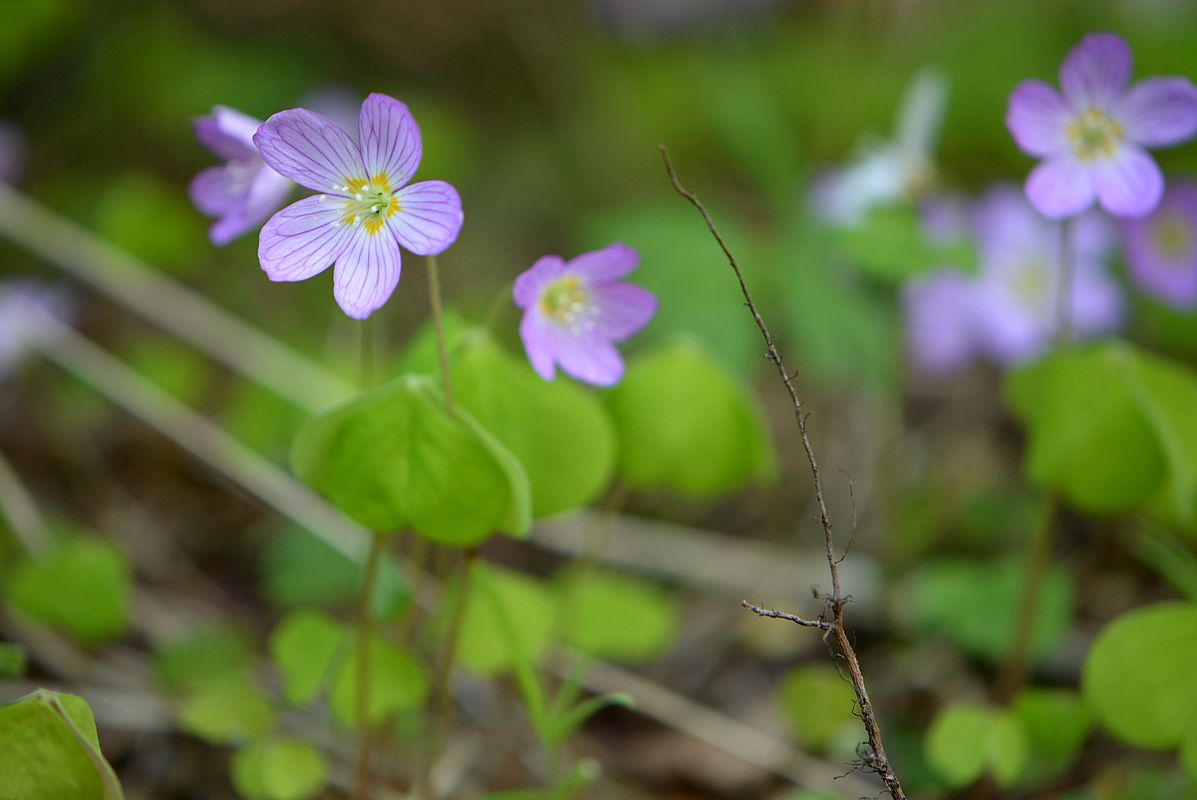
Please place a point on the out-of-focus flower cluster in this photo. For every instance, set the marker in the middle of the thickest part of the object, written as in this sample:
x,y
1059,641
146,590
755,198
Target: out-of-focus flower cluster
x,y
1046,255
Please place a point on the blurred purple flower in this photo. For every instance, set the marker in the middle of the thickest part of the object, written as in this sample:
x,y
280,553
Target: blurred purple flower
x,y
575,310
1009,311
1161,250
29,313
368,209
244,191
12,152
1092,136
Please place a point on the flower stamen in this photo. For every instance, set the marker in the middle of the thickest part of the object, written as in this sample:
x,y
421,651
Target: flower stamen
x,y
565,301
1094,134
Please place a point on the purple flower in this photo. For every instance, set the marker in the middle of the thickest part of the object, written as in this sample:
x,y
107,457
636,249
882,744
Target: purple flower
x,y
1009,310
367,208
1092,136
30,313
243,192
1161,250
575,310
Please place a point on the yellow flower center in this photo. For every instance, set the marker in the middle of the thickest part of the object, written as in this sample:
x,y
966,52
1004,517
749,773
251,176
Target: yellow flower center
x,y
1094,134
369,203
564,300
1173,237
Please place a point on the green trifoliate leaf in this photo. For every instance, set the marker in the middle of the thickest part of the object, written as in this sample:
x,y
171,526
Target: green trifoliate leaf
x,y
228,710
279,769
1082,405
1139,677
614,616
397,681
528,612
1056,724
966,742
203,656
96,607
49,750
395,458
559,431
687,425
305,646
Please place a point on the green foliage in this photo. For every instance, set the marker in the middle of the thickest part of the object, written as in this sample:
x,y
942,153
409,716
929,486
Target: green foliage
x,y
36,29
1188,750
1056,724
1138,678
974,604
966,742
175,232
891,245
231,710
95,610
398,682
48,745
818,702
687,425
209,653
173,367
394,459
279,769
304,646
483,647
844,331
558,430
618,617
684,268
1081,405
12,661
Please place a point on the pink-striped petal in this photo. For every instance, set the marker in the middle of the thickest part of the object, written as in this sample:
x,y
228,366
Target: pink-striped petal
x,y
429,217
600,266
1160,111
537,335
390,139
366,273
621,309
1130,184
532,282
310,149
219,190
1037,118
303,239
1060,187
1095,72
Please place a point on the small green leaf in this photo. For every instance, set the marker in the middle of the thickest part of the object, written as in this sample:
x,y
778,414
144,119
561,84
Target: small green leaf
x,y
818,703
49,749
398,682
95,610
279,769
966,742
559,431
891,244
1138,678
1056,725
227,710
566,724
304,647
527,603
394,459
685,424
974,603
614,616
203,655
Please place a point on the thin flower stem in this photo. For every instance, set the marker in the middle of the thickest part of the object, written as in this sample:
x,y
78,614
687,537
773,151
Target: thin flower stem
x,y
1017,665
365,635
442,695
438,323
1064,332
876,761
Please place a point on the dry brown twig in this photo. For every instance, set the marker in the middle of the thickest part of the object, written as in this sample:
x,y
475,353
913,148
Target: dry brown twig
x,y
876,761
